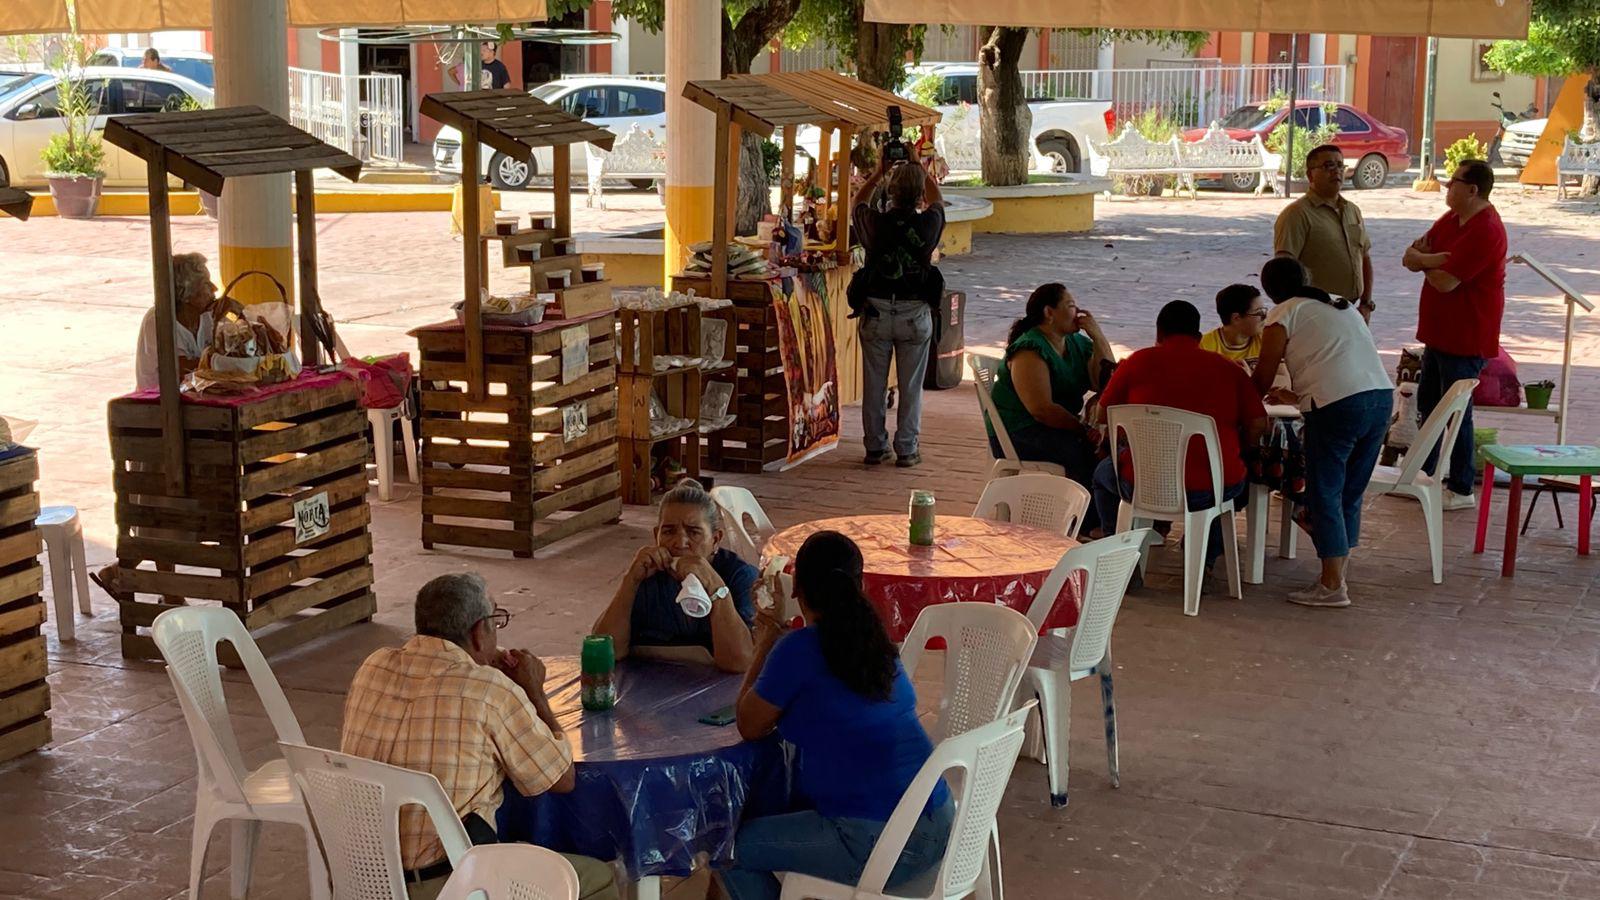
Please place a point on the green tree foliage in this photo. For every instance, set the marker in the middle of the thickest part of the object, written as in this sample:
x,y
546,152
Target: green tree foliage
x,y
1563,39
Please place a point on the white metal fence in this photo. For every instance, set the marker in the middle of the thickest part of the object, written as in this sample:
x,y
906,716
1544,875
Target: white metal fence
x,y
371,129
1192,97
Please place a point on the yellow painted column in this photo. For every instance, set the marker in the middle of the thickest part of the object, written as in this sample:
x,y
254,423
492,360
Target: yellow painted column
x,y
254,222
694,53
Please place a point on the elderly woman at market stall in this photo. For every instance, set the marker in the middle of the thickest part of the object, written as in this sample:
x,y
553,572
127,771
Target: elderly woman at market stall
x,y
649,610
195,311
837,691
1055,354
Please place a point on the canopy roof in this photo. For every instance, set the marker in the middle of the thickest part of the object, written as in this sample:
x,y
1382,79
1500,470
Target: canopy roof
x,y
762,103
98,16
15,203
513,122
208,146
1439,18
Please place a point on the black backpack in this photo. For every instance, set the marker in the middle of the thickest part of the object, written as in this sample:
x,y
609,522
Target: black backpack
x,y
899,267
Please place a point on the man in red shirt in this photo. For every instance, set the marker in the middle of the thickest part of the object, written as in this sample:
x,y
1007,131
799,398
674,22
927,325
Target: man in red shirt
x,y
1176,372
1463,259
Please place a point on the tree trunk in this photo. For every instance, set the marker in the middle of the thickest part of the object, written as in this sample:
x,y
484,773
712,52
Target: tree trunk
x,y
741,44
1007,121
1590,129
880,53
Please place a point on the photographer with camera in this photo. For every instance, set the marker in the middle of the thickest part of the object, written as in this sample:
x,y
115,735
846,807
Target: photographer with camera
x,y
895,291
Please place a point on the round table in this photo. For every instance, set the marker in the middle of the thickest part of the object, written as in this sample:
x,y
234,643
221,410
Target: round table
x,y
970,560
655,787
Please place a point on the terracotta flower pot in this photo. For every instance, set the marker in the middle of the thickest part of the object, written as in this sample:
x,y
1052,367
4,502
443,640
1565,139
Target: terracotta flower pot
x,y
75,196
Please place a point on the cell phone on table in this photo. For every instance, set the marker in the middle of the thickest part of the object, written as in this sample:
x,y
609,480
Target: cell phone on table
x,y
721,718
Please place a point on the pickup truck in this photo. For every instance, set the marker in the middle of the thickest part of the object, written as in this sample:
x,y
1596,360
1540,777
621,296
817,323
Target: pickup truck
x,y
1062,129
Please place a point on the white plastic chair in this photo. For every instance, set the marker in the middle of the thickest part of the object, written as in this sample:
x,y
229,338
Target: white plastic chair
x,y
187,638
511,872
987,646
382,421
985,756
1052,502
1084,650
1158,438
355,805
739,505
985,369
63,540
1408,479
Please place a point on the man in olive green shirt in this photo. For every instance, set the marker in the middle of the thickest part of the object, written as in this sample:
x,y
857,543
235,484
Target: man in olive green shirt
x,y
1325,232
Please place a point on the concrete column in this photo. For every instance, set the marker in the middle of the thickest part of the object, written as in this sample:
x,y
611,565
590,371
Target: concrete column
x,y
694,53
255,217
1319,50
619,50
349,87
1105,60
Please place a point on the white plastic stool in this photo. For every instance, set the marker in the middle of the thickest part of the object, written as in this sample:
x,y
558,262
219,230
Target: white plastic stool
x,y
63,539
383,445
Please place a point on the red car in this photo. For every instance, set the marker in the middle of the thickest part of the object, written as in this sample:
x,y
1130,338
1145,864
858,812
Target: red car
x,y
1371,149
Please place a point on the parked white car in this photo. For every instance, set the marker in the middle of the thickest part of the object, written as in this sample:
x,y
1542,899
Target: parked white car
x,y
1520,139
29,116
612,103
194,65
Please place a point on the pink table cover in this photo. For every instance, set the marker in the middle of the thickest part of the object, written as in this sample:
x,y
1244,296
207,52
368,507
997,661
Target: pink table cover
x,y
971,560
308,379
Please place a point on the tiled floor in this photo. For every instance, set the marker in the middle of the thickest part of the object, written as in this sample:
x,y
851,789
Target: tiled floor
x,y
1429,742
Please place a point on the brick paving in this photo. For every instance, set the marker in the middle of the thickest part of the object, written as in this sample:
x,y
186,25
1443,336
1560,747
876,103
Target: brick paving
x,y
1429,742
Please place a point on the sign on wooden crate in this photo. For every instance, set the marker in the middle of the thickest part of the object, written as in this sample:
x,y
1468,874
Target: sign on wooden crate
x,y
311,518
574,353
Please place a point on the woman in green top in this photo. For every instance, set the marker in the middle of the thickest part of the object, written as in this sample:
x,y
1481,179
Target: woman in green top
x,y
1054,357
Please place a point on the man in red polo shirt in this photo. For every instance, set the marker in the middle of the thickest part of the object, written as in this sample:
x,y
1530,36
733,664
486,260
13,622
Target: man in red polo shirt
x,y
1176,372
1463,259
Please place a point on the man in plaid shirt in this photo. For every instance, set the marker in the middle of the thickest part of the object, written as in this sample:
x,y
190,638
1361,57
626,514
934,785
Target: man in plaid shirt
x,y
450,702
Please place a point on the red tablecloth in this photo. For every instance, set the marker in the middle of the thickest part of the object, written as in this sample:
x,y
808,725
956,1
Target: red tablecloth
x,y
970,560
308,379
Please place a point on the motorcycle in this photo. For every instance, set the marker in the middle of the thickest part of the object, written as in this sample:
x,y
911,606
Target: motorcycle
x,y
1506,119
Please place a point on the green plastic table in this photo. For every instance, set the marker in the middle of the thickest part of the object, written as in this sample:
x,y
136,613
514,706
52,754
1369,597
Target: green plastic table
x,y
1574,460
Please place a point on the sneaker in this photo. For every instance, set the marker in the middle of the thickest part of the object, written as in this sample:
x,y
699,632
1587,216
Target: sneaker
x,y
875,457
1319,595
907,460
1453,500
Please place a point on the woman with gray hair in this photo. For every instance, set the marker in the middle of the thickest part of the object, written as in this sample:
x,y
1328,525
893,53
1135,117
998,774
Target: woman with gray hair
x,y
645,610
195,311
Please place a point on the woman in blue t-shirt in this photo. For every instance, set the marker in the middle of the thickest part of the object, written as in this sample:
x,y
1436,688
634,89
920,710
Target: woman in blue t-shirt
x,y
836,691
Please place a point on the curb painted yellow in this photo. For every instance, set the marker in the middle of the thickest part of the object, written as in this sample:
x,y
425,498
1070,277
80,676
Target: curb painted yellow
x,y
690,209
629,270
275,261
188,203
1038,215
957,239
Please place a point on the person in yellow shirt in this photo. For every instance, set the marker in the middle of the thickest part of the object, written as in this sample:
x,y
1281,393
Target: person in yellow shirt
x,y
1244,313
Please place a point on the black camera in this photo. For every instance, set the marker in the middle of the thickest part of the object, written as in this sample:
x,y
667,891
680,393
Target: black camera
x,y
894,146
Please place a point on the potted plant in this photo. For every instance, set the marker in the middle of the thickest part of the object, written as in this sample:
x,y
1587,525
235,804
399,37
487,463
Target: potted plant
x,y
1538,393
74,160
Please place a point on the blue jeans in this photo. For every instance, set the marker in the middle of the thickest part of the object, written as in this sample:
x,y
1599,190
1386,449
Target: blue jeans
x,y
1439,372
1342,443
1108,499
903,330
833,848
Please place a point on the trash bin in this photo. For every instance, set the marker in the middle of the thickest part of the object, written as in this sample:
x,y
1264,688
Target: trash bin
x,y
949,343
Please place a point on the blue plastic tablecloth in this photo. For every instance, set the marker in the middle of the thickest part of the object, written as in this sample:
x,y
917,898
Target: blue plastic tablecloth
x,y
655,787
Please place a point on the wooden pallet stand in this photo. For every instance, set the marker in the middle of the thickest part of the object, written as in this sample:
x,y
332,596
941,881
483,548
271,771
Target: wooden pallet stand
x,y
501,472
255,471
645,335
24,693
760,434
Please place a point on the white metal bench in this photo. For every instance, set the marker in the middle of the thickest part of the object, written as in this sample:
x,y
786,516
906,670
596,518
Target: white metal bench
x,y
637,155
1578,160
1214,154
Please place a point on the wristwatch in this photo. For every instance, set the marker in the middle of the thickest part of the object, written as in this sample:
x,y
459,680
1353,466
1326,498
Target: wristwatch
x,y
1368,305
721,593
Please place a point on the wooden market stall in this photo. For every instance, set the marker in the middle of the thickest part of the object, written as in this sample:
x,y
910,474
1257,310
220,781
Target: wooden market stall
x,y
24,692
261,496
519,421
844,109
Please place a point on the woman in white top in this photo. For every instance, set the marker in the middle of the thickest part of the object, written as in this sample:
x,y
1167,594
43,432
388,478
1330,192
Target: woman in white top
x,y
1346,396
196,308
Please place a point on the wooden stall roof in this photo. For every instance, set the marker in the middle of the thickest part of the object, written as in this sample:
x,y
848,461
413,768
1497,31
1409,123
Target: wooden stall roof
x,y
15,203
513,122
763,103
207,146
